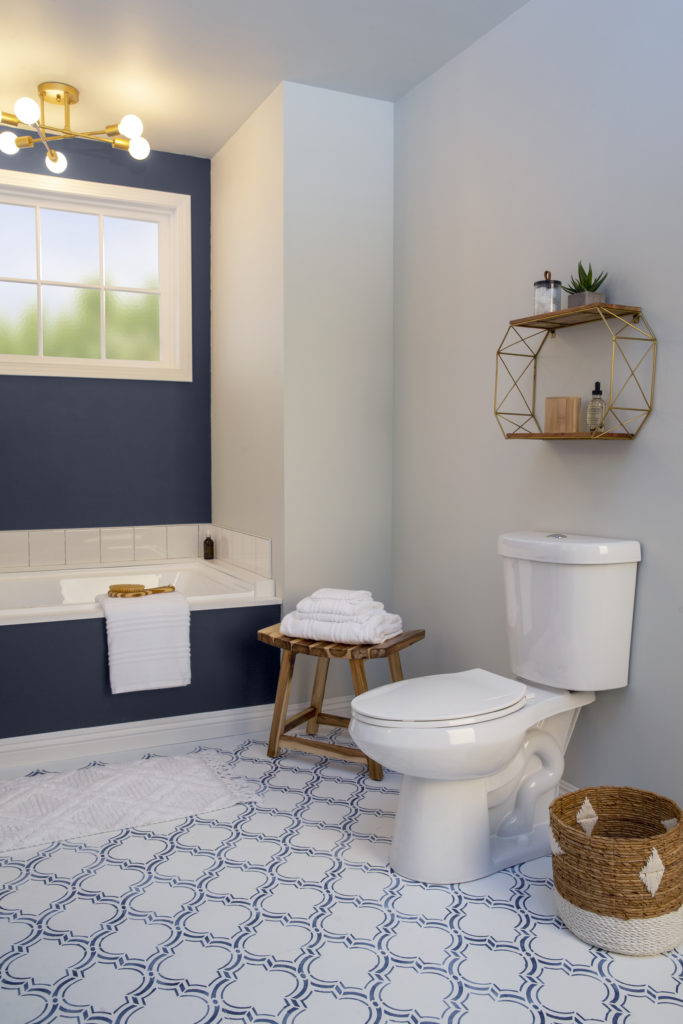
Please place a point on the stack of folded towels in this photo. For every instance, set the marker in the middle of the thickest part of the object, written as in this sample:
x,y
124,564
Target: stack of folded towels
x,y
342,616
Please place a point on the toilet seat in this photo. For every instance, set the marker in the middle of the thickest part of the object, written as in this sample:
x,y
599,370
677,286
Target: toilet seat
x,y
442,701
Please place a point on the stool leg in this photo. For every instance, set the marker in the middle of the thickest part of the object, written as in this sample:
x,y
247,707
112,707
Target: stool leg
x,y
395,670
360,685
318,694
284,685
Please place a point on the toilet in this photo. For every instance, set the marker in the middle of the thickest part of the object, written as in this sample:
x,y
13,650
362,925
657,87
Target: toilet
x,y
482,754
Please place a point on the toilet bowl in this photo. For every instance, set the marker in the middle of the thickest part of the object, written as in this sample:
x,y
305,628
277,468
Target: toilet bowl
x,y
458,755
482,754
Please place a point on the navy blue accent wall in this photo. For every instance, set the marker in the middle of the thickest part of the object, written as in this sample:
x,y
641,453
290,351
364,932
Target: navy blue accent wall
x,y
77,452
59,677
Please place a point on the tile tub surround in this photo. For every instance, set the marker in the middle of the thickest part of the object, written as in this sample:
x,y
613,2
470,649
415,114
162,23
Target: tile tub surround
x,y
253,553
285,912
111,545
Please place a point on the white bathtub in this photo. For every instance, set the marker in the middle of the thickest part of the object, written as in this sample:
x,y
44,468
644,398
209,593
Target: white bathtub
x,y
66,593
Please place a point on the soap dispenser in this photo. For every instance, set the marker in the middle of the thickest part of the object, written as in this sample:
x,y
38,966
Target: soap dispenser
x,y
596,411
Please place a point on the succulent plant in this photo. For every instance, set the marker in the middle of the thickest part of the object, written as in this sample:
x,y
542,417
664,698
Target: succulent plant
x,y
585,281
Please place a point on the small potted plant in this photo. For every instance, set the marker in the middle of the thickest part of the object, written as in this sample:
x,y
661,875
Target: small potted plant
x,y
583,289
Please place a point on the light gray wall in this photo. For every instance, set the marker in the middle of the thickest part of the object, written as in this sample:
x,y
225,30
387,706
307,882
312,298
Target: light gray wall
x,y
554,138
302,237
338,341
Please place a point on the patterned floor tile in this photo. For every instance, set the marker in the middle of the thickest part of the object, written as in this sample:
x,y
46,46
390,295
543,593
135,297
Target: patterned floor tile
x,y
423,994
566,996
81,916
45,961
257,991
285,911
293,901
363,922
135,939
484,1010
162,1005
325,1006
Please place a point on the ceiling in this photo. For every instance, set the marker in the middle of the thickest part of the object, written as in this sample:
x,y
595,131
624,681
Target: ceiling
x,y
195,71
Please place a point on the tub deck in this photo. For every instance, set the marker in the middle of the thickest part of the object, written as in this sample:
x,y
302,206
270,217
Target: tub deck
x,y
58,594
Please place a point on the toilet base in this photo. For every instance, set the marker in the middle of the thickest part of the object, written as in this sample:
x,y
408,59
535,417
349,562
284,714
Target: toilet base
x,y
442,831
442,834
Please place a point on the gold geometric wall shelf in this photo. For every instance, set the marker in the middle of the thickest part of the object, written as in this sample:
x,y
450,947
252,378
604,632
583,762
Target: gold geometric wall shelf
x,y
632,371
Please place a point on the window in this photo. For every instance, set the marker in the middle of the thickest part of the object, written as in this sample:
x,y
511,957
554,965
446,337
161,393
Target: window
x,y
94,280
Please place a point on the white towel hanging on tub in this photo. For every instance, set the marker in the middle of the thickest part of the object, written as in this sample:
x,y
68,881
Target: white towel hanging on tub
x,y
148,640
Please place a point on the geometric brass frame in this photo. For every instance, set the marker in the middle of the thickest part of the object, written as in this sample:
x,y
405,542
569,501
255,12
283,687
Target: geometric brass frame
x,y
517,356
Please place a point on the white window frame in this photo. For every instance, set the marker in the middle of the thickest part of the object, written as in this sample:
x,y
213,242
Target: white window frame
x,y
171,211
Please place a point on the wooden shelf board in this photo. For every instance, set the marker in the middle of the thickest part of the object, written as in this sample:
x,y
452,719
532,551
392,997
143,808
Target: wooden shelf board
x,y
583,436
577,315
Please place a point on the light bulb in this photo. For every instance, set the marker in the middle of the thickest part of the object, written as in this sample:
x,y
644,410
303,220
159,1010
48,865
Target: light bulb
x,y
139,148
27,110
8,143
56,162
130,126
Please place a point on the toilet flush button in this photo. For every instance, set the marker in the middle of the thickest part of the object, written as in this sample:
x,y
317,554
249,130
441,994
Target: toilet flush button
x,y
556,536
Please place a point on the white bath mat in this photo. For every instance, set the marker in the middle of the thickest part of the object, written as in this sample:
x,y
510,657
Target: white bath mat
x,y
44,808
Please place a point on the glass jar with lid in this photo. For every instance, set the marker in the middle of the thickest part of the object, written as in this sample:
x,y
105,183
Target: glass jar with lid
x,y
547,294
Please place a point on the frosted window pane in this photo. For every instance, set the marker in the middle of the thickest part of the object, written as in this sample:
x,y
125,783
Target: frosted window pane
x,y
71,322
131,253
19,318
70,246
17,241
132,325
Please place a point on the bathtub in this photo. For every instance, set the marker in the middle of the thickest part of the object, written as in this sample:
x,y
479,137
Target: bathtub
x,y
67,593
53,648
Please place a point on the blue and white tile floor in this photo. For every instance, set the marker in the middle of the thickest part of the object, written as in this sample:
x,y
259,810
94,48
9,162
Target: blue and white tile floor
x,y
285,912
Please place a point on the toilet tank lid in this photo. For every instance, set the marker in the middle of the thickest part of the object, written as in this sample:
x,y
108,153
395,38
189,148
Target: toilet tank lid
x,y
570,548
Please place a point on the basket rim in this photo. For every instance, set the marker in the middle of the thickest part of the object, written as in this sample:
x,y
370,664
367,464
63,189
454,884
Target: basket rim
x,y
570,800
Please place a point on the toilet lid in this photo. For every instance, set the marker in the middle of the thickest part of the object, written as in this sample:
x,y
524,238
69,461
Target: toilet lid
x,y
457,698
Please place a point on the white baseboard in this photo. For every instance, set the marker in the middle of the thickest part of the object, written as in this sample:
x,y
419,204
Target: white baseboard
x,y
41,748
46,747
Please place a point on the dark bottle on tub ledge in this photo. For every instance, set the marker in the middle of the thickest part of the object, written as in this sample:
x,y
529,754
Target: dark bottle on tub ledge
x,y
208,547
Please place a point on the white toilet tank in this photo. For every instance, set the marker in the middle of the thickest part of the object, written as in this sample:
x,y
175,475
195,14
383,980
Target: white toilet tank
x,y
569,603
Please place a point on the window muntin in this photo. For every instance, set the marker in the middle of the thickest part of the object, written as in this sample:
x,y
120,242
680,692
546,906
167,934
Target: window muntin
x,y
94,280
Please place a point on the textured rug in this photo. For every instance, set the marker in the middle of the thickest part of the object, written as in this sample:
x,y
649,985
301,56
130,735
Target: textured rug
x,y
48,807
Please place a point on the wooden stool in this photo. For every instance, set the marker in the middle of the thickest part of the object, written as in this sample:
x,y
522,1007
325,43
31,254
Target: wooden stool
x,y
323,650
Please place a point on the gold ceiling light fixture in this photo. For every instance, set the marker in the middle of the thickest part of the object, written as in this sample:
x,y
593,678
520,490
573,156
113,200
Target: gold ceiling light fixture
x,y
30,115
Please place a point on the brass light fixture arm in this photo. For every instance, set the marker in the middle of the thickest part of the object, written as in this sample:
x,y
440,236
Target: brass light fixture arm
x,y
55,134
63,95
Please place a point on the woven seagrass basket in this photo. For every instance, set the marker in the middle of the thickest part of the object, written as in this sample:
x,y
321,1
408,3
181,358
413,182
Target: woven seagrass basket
x,y
618,868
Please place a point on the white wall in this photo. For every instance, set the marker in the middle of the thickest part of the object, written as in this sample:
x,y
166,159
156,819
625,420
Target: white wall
x,y
554,138
247,329
302,237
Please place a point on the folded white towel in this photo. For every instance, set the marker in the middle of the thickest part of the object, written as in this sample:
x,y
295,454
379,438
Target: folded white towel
x,y
148,640
373,630
342,595
337,609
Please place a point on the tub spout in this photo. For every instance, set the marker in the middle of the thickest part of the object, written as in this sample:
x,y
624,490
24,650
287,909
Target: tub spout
x,y
520,820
